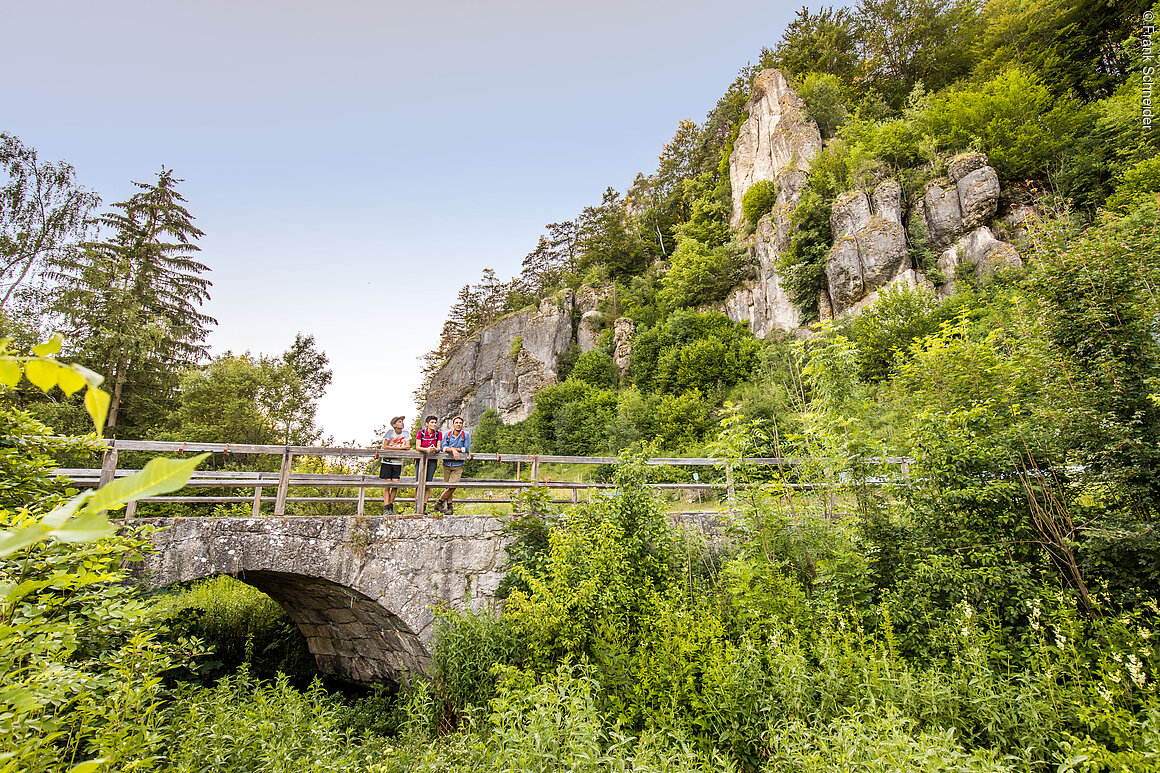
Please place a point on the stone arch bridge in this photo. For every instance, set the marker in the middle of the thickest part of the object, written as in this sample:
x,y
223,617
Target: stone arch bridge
x,y
361,589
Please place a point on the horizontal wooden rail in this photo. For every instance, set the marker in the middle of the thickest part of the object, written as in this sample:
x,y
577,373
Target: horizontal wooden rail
x,y
285,478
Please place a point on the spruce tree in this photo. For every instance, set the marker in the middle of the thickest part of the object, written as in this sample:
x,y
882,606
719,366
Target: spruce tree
x,y
133,302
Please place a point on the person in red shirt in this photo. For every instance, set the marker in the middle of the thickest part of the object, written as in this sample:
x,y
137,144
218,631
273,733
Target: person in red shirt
x,y
428,441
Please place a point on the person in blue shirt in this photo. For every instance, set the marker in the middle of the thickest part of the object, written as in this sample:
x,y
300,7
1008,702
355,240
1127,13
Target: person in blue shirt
x,y
457,442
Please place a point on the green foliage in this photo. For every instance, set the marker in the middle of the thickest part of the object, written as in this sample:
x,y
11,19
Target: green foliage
x,y
699,274
571,417
1098,314
242,625
253,727
907,42
826,97
1141,181
517,347
825,41
1014,118
595,367
758,201
691,350
884,331
44,213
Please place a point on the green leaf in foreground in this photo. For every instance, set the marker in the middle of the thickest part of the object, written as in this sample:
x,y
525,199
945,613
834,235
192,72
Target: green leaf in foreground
x,y
97,404
51,346
158,477
10,373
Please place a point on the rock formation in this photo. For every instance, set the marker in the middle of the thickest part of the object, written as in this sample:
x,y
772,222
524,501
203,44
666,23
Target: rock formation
x,y
869,249
622,332
956,211
483,372
776,142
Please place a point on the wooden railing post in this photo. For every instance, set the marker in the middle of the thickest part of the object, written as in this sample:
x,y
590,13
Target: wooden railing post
x,y
109,464
283,483
362,499
420,483
535,470
257,501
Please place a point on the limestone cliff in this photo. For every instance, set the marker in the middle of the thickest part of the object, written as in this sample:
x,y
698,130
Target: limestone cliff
x,y
491,370
776,142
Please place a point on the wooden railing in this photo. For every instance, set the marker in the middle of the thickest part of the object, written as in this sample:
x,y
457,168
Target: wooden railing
x,y
285,479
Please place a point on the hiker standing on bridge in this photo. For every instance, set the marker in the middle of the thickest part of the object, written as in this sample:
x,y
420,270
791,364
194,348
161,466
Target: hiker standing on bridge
x,y
392,469
458,443
428,441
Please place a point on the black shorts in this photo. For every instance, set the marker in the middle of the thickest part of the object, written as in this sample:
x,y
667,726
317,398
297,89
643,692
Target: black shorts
x,y
388,471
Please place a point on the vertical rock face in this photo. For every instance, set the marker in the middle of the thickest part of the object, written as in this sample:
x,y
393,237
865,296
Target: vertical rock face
x,y
622,332
869,246
485,371
776,142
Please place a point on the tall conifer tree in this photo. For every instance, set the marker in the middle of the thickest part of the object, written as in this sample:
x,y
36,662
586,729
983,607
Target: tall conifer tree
x,y
133,301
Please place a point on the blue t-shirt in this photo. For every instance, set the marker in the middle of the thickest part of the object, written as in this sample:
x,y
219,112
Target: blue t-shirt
x,y
462,442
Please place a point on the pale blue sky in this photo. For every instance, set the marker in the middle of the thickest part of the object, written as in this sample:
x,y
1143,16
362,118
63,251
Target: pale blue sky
x,y
353,164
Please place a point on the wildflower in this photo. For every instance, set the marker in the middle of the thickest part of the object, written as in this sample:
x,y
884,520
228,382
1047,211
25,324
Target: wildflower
x,y
1145,634
1104,693
1060,639
1136,671
1036,611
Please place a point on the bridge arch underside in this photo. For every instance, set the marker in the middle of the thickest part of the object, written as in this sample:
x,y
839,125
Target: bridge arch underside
x,y
352,637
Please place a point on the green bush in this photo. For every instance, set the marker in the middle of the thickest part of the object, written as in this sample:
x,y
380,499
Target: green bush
x,y
1141,181
884,331
699,274
826,97
758,201
595,367
1014,118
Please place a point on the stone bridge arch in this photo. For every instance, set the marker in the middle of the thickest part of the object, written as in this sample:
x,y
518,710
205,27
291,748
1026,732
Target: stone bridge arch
x,y
361,589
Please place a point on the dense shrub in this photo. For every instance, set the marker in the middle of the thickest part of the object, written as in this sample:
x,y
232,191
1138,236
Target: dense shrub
x,y
699,274
1014,118
758,201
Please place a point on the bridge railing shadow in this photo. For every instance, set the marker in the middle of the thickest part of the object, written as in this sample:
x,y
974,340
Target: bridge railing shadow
x,y
262,484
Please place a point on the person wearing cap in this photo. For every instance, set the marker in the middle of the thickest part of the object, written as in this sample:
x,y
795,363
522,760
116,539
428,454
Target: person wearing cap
x,y
391,469
457,442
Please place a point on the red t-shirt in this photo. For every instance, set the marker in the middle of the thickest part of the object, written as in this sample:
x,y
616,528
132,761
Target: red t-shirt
x,y
427,441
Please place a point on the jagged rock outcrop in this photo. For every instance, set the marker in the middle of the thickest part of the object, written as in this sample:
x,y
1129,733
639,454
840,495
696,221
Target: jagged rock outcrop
x,y
956,211
776,142
869,249
484,372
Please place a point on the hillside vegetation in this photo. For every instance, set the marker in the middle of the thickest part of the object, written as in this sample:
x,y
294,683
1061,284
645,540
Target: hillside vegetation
x,y
995,608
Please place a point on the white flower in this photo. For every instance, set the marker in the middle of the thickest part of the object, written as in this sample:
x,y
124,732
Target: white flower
x,y
1136,671
1145,634
1104,693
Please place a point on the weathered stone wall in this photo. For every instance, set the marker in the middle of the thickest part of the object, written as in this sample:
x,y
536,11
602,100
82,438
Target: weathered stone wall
x,y
361,590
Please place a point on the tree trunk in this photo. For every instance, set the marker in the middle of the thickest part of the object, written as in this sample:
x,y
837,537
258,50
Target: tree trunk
x,y
115,402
